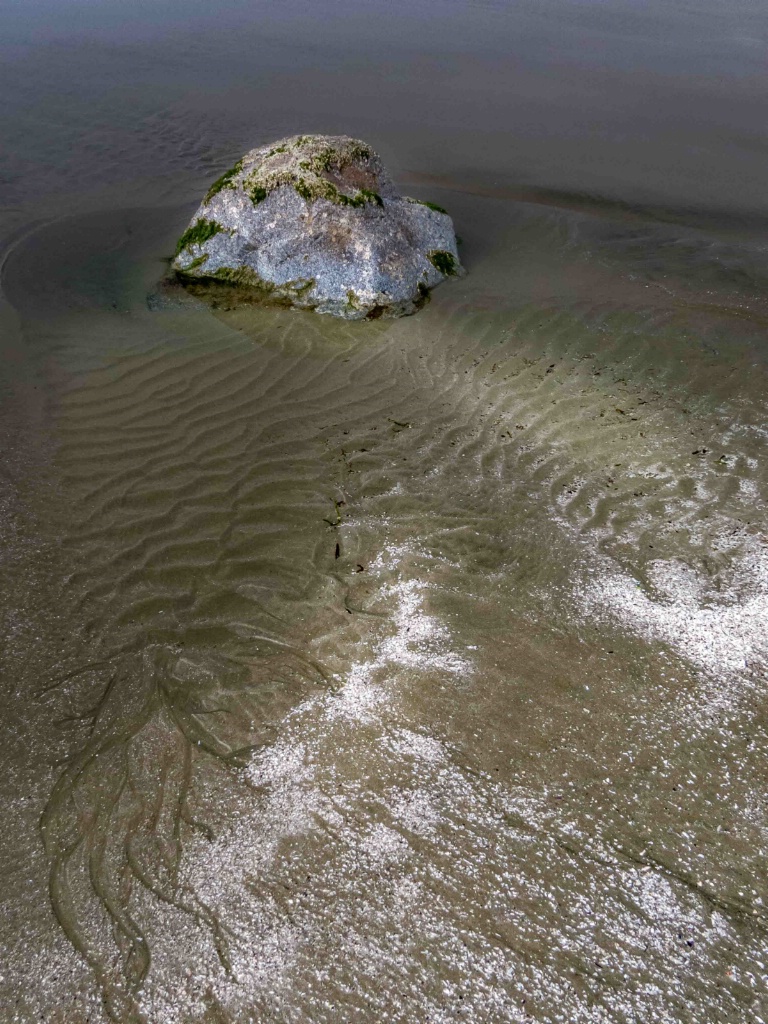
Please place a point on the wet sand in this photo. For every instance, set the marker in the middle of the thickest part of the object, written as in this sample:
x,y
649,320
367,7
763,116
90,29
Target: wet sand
x,y
407,670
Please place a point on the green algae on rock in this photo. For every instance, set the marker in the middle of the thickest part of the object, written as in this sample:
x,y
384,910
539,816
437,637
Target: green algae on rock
x,y
315,219
443,261
198,233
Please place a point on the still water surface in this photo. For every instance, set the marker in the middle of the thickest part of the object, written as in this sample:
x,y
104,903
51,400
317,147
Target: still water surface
x,y
504,757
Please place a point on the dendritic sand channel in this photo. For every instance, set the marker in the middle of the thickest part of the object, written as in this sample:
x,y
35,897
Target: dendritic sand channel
x,y
390,671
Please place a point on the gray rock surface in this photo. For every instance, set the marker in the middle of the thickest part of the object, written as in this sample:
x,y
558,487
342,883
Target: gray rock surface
x,y
315,221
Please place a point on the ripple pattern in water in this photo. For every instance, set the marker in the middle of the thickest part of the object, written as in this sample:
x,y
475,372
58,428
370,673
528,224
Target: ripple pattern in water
x,y
380,651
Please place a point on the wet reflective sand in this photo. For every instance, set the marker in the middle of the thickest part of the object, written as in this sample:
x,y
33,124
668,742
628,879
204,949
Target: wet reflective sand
x,y
395,671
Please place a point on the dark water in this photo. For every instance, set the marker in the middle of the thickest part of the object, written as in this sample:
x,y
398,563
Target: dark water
x,y
397,671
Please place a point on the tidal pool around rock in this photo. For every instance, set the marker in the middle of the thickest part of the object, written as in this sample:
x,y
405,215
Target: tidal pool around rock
x,y
397,670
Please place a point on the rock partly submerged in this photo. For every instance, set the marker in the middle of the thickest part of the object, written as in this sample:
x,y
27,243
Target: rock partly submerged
x,y
314,221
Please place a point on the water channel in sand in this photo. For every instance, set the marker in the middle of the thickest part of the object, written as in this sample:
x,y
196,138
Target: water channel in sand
x,y
397,671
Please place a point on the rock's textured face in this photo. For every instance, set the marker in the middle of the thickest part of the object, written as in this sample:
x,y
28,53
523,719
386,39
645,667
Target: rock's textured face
x,y
315,221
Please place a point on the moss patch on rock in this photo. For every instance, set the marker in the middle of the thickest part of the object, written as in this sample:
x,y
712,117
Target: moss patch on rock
x,y
225,181
256,192
430,206
198,262
198,234
443,261
311,190
345,173
228,287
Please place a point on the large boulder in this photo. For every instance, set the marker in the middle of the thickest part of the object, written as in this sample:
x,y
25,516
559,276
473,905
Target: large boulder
x,y
316,222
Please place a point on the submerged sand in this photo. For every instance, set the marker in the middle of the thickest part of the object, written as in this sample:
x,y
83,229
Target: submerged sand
x,y
388,671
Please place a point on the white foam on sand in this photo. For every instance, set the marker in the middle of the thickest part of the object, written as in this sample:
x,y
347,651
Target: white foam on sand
x,y
312,777
719,625
380,880
721,631
417,641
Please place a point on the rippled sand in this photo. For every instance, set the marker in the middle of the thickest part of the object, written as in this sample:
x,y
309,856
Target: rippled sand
x,y
409,670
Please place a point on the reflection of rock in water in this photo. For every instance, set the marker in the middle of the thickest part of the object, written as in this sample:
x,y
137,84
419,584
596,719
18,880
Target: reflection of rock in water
x,y
210,471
